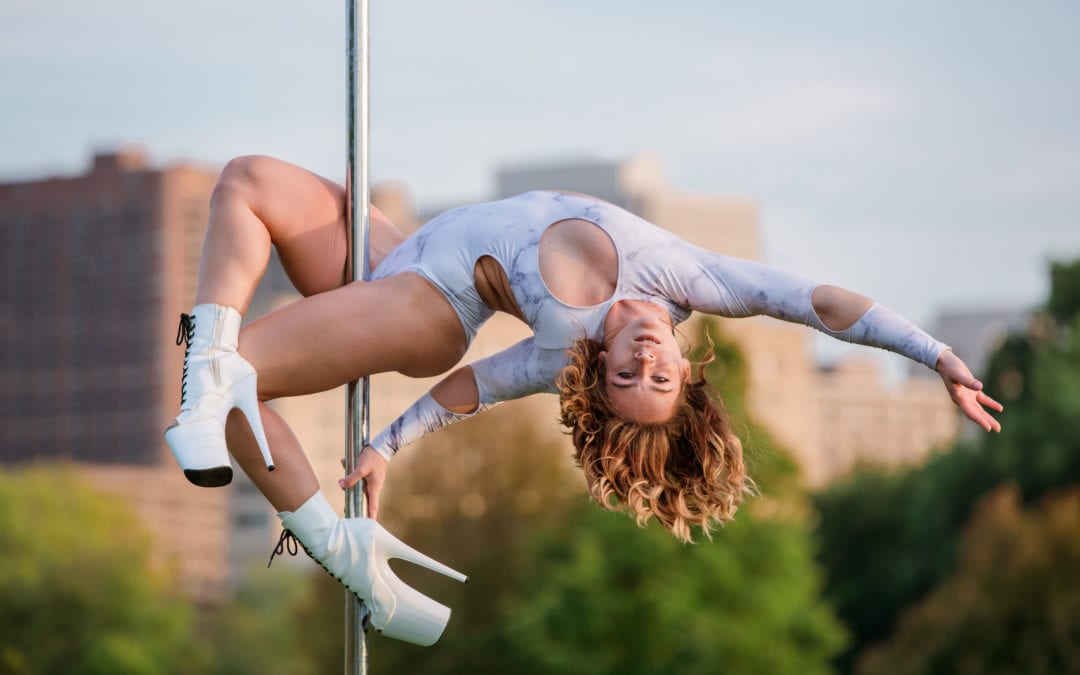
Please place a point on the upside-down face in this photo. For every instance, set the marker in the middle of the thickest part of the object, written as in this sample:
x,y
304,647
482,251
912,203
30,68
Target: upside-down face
x,y
642,364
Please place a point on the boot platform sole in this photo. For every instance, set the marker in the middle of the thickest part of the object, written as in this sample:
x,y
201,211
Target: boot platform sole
x,y
218,476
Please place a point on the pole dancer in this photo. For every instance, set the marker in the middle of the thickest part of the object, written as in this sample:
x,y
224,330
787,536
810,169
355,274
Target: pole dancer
x,y
602,291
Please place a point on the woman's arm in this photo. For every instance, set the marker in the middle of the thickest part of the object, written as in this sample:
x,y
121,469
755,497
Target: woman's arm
x,y
454,398
519,371
838,308
737,287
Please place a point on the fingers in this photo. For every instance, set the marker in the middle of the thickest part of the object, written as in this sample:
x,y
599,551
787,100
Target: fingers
x,y
976,413
352,478
372,487
370,468
373,500
953,368
985,400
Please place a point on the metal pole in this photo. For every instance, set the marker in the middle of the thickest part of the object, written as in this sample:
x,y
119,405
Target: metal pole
x,y
356,223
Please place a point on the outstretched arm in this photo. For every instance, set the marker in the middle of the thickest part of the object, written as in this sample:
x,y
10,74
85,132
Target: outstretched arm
x,y
735,287
839,309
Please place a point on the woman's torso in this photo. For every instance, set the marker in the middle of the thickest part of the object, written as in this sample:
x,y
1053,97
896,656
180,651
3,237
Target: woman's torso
x,y
558,261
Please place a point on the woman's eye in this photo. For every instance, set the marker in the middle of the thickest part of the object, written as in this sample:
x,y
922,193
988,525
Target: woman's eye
x,y
626,375
660,379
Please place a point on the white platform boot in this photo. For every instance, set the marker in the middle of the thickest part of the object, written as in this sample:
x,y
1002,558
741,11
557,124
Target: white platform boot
x,y
216,380
356,551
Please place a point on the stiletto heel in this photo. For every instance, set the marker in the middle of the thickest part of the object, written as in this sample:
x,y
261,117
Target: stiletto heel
x,y
389,546
216,380
247,400
356,551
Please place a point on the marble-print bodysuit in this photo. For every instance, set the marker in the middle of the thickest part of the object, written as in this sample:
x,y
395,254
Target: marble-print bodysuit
x,y
653,265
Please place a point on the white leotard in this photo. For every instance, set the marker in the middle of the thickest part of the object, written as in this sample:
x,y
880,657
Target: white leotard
x,y
653,265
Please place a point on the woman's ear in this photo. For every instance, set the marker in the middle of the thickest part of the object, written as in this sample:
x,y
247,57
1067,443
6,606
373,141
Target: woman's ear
x,y
601,356
685,370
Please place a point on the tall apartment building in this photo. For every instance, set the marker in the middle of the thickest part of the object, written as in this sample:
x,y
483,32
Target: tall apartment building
x,y
95,269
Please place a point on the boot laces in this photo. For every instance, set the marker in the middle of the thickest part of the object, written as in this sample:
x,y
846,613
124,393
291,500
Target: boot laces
x,y
286,543
185,333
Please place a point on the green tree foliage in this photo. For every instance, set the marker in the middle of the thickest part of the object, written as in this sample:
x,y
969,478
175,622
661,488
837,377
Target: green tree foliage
x,y
558,585
615,599
78,593
888,539
1011,606
1037,375
260,630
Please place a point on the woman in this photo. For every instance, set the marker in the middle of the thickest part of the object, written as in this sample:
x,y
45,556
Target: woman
x,y
600,288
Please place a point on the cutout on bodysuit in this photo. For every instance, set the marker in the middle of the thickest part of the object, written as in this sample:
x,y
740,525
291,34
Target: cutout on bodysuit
x,y
826,300
579,263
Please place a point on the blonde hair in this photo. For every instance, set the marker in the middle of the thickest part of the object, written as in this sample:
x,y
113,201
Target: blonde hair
x,y
686,471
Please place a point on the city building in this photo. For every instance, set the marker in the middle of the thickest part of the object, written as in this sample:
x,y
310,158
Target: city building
x,y
95,271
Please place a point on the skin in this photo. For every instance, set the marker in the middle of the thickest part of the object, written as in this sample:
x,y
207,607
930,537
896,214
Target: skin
x,y
340,332
643,365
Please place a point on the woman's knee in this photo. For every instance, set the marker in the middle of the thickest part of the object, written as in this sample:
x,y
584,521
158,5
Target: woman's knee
x,y
242,178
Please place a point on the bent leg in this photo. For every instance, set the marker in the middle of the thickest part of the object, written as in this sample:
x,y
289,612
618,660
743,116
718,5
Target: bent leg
x,y
261,201
293,481
258,202
400,323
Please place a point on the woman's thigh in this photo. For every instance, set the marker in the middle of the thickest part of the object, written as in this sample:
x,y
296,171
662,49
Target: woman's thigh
x,y
400,323
305,216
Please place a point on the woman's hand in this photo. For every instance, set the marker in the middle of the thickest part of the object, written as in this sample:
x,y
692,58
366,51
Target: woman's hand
x,y
966,392
371,468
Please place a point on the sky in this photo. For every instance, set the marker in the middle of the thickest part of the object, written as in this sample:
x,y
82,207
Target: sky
x,y
924,153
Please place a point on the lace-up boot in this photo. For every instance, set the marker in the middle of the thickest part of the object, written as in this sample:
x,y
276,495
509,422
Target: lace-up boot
x,y
357,552
216,380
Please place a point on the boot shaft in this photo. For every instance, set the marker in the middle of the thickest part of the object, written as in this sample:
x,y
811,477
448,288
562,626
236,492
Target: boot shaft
x,y
214,329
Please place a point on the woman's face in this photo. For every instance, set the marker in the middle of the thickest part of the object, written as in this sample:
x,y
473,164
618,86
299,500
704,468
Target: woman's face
x,y
643,367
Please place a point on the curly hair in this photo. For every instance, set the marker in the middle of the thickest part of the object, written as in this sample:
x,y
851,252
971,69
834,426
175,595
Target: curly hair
x,y
686,471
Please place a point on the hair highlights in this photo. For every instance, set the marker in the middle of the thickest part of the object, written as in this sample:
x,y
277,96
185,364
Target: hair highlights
x,y
686,471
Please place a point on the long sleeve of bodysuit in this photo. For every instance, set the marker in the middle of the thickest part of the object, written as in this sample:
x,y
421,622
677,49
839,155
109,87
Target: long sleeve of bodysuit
x,y
735,287
519,371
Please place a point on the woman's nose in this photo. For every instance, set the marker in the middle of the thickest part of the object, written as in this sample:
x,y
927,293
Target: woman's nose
x,y
645,355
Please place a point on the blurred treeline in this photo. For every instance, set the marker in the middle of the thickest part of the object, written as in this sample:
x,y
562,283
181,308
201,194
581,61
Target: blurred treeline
x,y
966,564
971,562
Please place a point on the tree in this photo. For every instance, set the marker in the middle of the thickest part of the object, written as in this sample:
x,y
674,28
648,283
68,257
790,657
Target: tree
x,y
78,591
608,597
1013,603
889,539
263,628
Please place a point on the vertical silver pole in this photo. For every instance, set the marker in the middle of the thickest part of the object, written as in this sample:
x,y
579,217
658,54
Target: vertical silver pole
x,y
356,222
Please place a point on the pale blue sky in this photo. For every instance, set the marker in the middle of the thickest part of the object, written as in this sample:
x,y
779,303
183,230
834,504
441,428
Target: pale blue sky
x,y
925,153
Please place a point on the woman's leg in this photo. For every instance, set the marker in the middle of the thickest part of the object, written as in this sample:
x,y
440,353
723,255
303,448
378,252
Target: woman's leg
x,y
258,202
400,323
292,482
261,201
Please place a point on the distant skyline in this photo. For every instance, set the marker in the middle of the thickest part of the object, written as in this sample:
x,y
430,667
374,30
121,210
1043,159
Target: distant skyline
x,y
926,154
